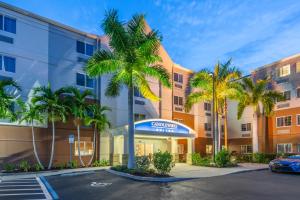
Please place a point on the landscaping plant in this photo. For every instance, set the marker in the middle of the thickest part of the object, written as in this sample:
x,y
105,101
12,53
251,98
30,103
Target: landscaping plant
x,y
24,166
222,158
163,162
73,164
101,163
142,163
38,167
200,161
9,167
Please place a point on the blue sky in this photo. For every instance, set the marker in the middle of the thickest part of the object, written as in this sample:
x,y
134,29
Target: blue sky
x,y
196,34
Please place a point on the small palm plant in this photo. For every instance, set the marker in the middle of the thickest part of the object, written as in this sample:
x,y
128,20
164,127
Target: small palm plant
x,y
7,99
134,57
31,115
78,107
258,96
98,120
50,103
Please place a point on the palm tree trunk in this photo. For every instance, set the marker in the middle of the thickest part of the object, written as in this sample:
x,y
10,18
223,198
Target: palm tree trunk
x,y
52,146
94,146
131,154
254,134
78,145
219,132
34,146
225,126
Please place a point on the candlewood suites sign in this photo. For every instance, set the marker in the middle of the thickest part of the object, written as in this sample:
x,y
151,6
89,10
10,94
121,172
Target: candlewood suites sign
x,y
161,127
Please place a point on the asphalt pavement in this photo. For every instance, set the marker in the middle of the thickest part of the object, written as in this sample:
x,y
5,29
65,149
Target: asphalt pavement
x,y
255,185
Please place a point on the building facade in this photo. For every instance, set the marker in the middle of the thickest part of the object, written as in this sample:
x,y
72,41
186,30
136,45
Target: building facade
x,y
35,51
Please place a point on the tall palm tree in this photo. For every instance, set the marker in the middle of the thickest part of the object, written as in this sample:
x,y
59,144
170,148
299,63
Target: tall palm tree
x,y
77,105
258,96
99,120
49,102
134,57
7,99
31,115
225,88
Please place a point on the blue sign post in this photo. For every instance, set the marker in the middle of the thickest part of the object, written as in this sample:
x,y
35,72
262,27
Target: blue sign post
x,y
161,127
71,141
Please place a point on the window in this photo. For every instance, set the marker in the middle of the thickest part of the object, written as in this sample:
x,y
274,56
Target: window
x,y
298,92
1,22
284,121
84,48
298,119
137,93
138,117
207,126
84,81
284,148
89,49
86,148
7,24
298,148
144,149
80,47
297,67
7,63
208,149
246,127
178,78
222,128
287,95
178,101
246,149
207,106
284,71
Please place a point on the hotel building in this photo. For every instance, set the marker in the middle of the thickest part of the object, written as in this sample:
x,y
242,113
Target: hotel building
x,y
35,51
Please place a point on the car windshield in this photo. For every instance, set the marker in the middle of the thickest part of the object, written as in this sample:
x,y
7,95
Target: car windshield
x,y
294,157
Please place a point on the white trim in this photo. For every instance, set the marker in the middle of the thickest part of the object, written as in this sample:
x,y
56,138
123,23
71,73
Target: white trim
x,y
284,126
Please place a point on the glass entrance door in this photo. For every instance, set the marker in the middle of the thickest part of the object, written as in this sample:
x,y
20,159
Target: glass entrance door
x,y
144,149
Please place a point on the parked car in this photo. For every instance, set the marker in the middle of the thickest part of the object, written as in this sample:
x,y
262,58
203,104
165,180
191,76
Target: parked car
x,y
289,164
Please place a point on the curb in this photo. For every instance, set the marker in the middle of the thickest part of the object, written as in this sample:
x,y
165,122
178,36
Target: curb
x,y
149,179
49,188
171,179
48,173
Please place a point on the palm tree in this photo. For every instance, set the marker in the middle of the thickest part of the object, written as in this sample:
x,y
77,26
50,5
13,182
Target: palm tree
x,y
258,96
7,99
49,102
30,114
77,105
99,120
225,88
134,57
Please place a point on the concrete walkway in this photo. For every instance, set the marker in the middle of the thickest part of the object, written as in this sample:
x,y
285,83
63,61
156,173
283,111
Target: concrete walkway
x,y
182,170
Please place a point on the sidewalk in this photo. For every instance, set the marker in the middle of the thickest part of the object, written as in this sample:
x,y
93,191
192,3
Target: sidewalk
x,y
11,176
182,170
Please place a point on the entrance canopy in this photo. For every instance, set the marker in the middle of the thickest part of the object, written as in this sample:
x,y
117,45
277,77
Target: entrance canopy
x,y
158,127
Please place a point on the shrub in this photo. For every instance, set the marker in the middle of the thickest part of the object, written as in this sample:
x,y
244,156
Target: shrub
x,y
9,167
222,158
142,163
24,166
200,161
73,164
62,166
37,167
163,162
100,163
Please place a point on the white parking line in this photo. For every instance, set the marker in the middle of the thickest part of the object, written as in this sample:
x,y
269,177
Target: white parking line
x,y
19,185
22,189
18,194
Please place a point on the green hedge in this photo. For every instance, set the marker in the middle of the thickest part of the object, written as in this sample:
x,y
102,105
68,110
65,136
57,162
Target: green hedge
x,y
200,161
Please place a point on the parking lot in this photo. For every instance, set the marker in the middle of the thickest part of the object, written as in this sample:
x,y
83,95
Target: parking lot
x,y
25,188
247,185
